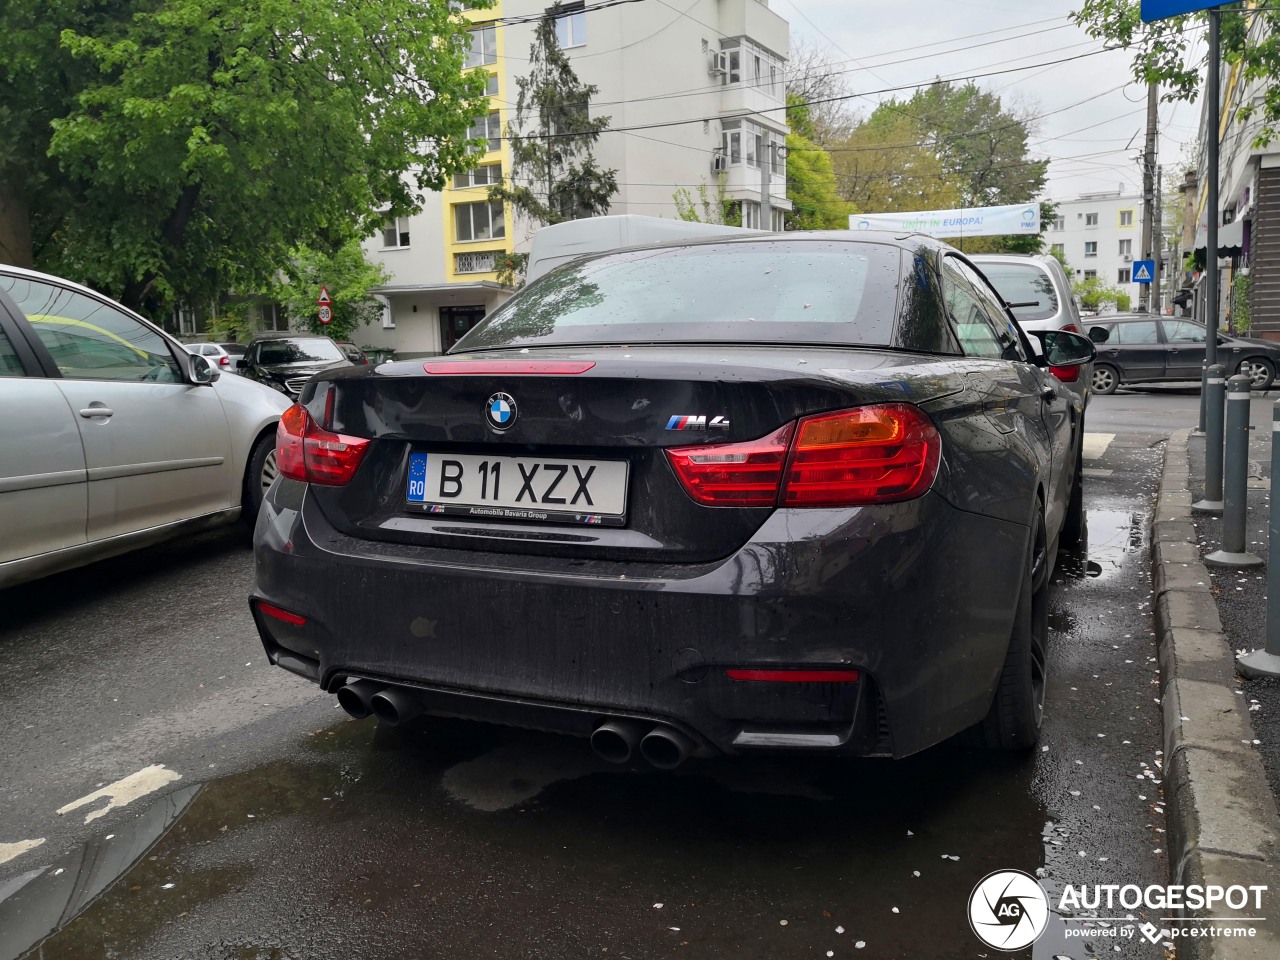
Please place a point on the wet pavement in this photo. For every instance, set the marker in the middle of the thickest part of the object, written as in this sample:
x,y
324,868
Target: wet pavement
x,y
317,837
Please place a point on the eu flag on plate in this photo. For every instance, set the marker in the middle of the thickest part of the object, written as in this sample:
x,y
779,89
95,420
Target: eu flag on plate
x,y
417,492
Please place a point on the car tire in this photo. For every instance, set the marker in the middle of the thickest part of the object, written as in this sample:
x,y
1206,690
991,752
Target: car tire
x,y
259,473
1073,524
1017,710
1105,378
1260,371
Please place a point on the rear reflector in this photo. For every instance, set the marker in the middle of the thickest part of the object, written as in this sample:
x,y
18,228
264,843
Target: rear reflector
x,y
306,451
271,610
733,474
878,454
795,676
1066,374
519,368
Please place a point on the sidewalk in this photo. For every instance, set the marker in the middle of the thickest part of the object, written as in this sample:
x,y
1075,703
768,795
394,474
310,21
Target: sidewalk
x,y
1222,734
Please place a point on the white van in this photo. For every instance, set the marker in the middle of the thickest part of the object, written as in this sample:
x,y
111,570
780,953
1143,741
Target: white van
x,y
567,241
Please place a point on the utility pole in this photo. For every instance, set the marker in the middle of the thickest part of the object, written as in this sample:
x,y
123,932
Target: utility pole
x,y
1147,303
1157,274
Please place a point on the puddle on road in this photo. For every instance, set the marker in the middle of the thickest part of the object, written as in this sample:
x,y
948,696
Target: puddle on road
x,y
374,842
1112,538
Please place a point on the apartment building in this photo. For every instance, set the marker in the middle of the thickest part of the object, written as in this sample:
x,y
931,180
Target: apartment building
x,y
691,94
1100,235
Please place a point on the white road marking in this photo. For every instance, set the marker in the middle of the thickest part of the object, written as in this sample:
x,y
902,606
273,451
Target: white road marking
x,y
1097,472
10,850
124,791
1095,444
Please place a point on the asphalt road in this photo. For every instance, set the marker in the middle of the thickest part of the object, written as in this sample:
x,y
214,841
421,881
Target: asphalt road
x,y
245,817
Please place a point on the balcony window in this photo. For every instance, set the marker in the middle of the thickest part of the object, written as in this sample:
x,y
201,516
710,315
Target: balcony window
x,y
487,128
483,176
478,221
480,261
571,25
395,233
484,47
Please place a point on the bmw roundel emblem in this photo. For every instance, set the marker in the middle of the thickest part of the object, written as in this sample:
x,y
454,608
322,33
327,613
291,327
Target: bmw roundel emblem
x,y
500,409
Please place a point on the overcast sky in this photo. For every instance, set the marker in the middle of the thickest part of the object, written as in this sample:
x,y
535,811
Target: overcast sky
x,y
1092,113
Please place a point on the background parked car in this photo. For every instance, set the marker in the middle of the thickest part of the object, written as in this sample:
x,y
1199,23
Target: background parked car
x,y
674,528
1039,291
1141,348
222,356
114,436
353,353
286,362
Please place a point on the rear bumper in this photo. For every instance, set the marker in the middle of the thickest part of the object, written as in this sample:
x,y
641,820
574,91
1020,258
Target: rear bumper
x,y
917,597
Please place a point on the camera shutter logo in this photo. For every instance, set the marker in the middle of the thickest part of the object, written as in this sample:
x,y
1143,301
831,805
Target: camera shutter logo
x,y
1008,910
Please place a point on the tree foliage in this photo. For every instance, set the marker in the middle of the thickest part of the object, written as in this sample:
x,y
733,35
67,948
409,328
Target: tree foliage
x,y
885,165
176,149
823,88
712,205
1093,293
348,277
554,176
1161,51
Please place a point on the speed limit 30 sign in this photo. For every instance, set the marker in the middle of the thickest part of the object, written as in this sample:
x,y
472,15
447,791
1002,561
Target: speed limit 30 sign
x,y
326,305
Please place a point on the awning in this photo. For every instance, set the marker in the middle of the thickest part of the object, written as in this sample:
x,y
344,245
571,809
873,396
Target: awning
x,y
1230,238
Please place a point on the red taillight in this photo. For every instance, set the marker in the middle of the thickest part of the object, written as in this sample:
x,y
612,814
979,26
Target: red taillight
x,y
1066,374
877,454
224,361
794,676
271,610
1071,328
307,452
734,474
519,368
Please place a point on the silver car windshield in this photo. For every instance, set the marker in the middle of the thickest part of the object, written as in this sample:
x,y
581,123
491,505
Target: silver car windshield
x,y
1024,283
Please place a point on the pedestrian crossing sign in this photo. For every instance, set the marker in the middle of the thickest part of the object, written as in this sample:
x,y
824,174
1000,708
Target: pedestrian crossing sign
x,y
1144,271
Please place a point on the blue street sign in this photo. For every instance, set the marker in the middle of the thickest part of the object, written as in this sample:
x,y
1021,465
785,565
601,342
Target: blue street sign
x,y
1160,9
1143,271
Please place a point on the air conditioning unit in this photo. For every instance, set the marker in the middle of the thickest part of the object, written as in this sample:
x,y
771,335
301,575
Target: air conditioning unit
x,y
718,163
719,63
1127,257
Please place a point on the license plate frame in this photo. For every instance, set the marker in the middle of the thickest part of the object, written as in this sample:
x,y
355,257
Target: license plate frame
x,y
589,492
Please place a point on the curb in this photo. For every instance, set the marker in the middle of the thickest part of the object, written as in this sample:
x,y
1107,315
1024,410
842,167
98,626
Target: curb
x,y
1223,826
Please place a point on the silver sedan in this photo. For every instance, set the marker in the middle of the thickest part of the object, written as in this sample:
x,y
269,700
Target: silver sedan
x,y
114,436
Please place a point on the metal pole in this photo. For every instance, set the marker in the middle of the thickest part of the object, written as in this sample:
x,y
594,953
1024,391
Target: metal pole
x,y
1197,313
1148,193
1157,227
1214,109
1215,387
766,202
1236,490
1266,662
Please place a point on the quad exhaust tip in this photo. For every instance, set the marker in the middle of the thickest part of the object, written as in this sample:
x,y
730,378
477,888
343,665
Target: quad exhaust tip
x,y
665,747
355,698
616,740
393,707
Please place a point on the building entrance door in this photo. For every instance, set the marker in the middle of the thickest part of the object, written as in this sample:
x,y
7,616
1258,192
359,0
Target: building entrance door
x,y
456,321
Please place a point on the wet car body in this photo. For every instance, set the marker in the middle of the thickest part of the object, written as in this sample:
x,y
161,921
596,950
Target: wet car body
x,y
874,629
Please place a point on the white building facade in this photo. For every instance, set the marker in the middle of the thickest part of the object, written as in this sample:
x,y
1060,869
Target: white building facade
x,y
691,95
1100,235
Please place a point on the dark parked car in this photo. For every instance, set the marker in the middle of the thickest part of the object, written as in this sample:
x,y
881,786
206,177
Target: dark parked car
x,y
352,352
287,362
795,493
1140,348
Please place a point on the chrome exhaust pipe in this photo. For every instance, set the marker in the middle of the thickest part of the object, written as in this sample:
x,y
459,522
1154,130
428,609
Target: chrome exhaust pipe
x,y
616,740
666,748
394,706
354,697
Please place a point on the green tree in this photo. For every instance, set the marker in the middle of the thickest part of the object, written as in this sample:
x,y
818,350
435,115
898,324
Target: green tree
x,y
346,274
982,145
177,149
1161,51
886,166
1093,293
709,207
811,178
554,176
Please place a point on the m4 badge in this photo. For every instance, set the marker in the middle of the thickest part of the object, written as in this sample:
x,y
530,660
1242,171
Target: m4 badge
x,y
697,423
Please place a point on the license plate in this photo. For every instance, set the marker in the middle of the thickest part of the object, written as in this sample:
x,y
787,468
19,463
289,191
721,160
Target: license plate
x,y
518,488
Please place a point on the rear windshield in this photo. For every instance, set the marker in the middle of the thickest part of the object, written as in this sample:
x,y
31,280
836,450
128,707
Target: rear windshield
x,y
298,351
1024,283
771,291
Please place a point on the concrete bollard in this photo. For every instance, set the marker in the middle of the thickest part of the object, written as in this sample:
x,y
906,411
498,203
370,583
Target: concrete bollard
x,y
1214,401
1236,482
1266,662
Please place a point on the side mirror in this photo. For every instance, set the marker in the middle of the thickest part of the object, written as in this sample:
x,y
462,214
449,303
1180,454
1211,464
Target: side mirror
x,y
1099,334
241,363
1063,349
199,370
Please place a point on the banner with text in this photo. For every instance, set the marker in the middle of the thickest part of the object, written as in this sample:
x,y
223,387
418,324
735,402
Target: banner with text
x,y
1018,218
